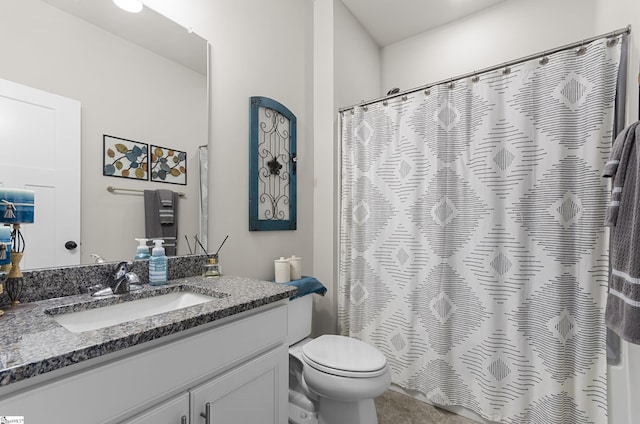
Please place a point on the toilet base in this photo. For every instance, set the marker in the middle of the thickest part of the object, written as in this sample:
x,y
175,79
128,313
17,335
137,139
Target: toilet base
x,y
331,411
298,415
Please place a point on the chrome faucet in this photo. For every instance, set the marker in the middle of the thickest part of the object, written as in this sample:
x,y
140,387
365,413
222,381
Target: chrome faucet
x,y
118,282
98,259
122,281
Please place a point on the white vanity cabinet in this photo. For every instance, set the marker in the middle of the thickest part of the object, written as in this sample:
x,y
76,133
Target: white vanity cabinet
x,y
248,394
239,365
173,411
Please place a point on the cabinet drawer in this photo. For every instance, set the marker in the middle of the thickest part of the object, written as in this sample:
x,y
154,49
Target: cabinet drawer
x,y
130,384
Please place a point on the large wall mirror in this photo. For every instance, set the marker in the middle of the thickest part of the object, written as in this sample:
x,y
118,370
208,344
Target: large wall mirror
x,y
137,76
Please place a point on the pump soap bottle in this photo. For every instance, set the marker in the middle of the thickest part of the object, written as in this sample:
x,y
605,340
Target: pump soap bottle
x,y
142,252
158,264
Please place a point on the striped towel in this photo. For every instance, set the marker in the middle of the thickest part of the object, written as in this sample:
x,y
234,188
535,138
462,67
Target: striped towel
x,y
161,222
623,215
165,211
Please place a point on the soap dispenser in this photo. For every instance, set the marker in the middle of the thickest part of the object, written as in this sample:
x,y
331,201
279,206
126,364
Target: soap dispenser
x,y
158,264
142,252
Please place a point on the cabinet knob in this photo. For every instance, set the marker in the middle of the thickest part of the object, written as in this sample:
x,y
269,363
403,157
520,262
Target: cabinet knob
x,y
183,420
70,245
207,413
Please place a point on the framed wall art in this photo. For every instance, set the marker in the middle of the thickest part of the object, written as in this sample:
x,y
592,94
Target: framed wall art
x,y
124,158
272,166
168,165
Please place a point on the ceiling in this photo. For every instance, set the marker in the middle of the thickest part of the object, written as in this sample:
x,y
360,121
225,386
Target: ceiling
x,y
148,29
390,21
387,21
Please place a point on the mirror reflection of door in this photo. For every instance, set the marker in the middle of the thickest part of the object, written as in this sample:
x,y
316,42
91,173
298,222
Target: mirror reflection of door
x,y
33,121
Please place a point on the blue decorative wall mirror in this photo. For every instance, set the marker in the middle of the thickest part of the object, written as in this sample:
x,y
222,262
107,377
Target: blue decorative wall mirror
x,y
272,166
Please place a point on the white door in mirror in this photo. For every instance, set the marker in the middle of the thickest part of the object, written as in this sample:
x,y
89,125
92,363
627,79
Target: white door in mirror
x,y
40,151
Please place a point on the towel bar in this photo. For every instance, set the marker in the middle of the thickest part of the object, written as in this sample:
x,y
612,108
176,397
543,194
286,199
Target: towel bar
x,y
112,189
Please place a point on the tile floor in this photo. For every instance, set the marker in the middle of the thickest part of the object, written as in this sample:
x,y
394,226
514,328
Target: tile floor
x,y
396,408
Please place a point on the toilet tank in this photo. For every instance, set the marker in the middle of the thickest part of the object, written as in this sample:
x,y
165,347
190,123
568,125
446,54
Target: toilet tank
x,y
299,319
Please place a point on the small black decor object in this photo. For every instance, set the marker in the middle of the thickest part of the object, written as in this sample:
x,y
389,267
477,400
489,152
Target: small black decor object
x,y
274,166
14,288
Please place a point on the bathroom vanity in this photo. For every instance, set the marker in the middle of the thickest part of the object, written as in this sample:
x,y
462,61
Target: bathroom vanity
x,y
222,361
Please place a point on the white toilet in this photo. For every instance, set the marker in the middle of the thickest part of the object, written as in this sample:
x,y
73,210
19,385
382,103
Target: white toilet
x,y
332,379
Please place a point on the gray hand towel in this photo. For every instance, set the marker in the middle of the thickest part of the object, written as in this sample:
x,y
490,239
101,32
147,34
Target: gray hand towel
x,y
622,313
165,210
155,228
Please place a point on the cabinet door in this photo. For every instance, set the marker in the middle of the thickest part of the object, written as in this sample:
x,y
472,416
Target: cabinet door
x,y
174,411
255,392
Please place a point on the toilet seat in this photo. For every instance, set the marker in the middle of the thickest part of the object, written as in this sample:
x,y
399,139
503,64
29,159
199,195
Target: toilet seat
x,y
344,356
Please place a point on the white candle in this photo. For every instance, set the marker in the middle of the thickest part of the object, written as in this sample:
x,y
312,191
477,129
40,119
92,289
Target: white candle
x,y
283,270
296,267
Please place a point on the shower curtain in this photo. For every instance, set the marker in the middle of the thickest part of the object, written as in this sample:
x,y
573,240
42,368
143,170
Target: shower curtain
x,y
473,252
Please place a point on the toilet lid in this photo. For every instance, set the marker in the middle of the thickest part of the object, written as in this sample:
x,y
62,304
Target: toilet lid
x,y
344,356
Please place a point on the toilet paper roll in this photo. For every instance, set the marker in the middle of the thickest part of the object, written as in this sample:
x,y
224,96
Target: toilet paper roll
x,y
296,267
283,270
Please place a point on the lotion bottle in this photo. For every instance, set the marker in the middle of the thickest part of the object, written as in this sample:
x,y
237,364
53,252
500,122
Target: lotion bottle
x,y
158,264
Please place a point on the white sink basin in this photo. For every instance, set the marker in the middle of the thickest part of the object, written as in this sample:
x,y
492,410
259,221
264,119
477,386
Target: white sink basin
x,y
105,316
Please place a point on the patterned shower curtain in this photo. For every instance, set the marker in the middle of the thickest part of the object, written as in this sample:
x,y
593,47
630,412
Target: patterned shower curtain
x,y
473,252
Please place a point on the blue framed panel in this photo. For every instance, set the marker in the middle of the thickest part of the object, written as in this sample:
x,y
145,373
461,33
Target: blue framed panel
x,y
272,166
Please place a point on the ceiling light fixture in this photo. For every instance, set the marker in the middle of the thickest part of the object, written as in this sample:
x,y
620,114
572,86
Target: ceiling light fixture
x,y
133,6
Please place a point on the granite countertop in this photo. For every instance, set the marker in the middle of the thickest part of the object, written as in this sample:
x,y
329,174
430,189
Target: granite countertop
x,y
33,343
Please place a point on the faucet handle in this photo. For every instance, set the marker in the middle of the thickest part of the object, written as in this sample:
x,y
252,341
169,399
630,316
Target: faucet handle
x,y
119,283
121,269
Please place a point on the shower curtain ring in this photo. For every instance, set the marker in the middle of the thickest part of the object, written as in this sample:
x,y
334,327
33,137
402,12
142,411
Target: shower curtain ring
x,y
544,59
475,77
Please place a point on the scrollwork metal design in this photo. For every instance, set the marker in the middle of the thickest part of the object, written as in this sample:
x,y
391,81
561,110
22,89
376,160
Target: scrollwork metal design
x,y
274,162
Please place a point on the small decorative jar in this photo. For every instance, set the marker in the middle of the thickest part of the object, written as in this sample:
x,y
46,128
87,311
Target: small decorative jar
x,y
211,268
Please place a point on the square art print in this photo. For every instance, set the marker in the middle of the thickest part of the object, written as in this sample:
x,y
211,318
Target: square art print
x,y
125,158
168,165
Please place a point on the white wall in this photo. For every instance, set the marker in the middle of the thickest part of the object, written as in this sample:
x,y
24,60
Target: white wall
x,y
258,48
346,70
324,318
507,31
357,65
612,14
125,91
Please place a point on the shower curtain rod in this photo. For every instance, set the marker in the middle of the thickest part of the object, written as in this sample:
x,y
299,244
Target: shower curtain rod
x,y
611,34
